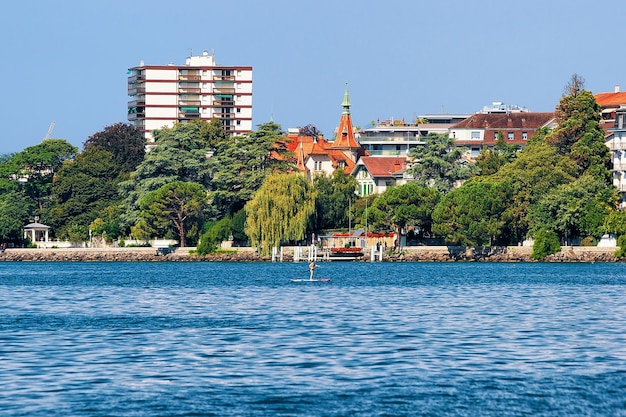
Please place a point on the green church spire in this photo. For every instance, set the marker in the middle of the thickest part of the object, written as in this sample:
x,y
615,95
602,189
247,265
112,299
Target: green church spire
x,y
346,102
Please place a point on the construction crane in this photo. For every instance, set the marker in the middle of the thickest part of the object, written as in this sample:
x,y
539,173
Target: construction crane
x,y
49,131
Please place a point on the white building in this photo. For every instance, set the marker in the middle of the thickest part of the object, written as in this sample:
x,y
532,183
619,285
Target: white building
x,y
162,95
616,141
396,138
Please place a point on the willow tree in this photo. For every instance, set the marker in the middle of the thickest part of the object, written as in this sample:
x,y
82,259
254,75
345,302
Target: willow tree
x,y
280,211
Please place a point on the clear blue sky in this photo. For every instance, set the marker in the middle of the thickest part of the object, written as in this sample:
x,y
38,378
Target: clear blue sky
x,y
67,60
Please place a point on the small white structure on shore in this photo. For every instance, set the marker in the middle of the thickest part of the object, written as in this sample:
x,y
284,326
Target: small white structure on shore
x,y
36,232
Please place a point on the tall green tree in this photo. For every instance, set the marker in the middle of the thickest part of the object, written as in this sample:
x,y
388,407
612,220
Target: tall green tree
x,y
239,166
334,196
182,153
83,188
474,214
406,205
579,134
15,212
178,205
578,208
439,163
535,172
280,211
491,159
125,142
36,166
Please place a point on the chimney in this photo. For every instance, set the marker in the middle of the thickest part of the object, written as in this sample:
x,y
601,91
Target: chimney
x,y
617,88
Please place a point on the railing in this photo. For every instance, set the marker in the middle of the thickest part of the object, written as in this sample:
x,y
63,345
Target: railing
x,y
223,78
188,115
399,139
134,90
182,77
222,90
189,90
133,79
224,103
189,102
138,102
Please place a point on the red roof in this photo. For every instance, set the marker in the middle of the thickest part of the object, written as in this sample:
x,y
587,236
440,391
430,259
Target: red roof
x,y
519,120
605,100
383,166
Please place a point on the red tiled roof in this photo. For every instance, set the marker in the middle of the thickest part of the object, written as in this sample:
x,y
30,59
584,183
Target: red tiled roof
x,y
611,99
521,120
382,166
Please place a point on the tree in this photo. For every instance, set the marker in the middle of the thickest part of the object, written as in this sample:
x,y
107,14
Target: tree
x,y
334,196
181,154
474,214
125,142
491,159
579,134
36,166
537,170
280,211
178,204
406,205
15,211
575,209
439,163
214,236
546,243
239,167
83,188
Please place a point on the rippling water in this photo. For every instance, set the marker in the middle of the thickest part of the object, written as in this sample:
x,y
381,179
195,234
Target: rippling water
x,y
238,339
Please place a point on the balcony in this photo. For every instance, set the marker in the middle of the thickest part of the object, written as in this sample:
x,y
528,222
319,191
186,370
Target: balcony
x,y
223,103
223,90
225,115
140,101
136,89
188,115
183,77
189,90
134,79
223,78
186,102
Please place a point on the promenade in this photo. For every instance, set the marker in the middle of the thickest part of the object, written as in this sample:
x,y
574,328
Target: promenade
x,y
247,254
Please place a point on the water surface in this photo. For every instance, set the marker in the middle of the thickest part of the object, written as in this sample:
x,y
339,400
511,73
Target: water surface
x,y
382,339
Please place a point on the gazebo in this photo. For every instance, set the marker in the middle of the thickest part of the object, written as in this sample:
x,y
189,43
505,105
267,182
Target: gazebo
x,y
37,232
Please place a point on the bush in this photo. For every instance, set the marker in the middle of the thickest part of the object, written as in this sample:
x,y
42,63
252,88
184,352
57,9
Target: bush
x,y
589,241
621,243
546,243
213,237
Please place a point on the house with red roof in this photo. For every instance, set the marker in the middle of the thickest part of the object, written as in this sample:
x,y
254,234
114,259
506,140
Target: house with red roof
x,y
377,173
483,128
610,103
316,156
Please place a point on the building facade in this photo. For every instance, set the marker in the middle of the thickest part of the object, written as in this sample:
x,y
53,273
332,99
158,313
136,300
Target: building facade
x,y
396,138
162,95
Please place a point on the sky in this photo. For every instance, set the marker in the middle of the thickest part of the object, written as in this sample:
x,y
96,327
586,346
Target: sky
x,y
65,61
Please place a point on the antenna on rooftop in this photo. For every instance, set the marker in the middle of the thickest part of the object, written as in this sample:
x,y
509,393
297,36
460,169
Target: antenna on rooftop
x,y
190,52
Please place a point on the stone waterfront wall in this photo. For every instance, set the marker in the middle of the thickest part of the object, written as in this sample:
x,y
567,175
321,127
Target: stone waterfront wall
x,y
407,254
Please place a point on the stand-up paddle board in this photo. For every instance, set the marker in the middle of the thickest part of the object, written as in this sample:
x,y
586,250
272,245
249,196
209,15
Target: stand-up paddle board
x,y
310,280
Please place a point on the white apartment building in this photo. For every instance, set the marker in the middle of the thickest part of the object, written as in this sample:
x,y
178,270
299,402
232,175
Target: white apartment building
x,y
162,95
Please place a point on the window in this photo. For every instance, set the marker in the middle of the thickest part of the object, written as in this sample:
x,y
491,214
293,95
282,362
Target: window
x,y
524,135
510,136
475,135
475,151
495,135
238,122
238,110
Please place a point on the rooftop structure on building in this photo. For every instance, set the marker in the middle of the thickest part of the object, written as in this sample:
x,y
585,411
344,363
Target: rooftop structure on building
x,y
500,107
162,95
397,137
610,103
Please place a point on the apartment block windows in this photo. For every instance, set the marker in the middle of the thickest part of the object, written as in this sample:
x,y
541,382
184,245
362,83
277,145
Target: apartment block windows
x,y
475,135
510,136
524,135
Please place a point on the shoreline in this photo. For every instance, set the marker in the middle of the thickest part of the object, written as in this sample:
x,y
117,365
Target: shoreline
x,y
247,254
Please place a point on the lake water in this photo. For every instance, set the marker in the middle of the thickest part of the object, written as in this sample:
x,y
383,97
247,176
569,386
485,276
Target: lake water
x,y
382,339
